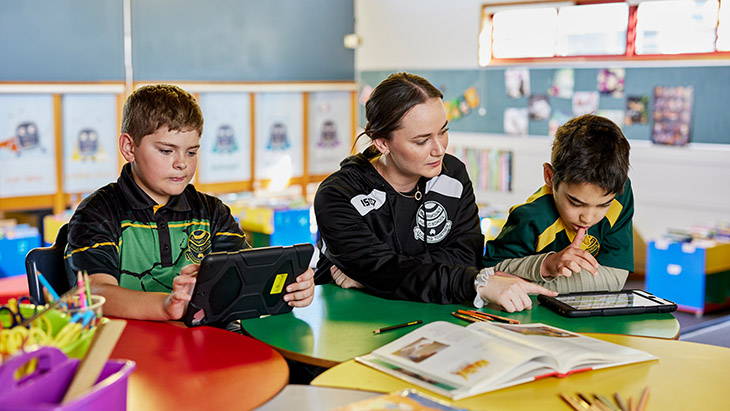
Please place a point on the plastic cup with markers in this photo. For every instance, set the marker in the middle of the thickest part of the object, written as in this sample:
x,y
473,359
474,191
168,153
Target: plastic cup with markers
x,y
84,313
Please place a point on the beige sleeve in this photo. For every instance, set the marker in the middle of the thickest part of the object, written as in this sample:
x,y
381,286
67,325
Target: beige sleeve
x,y
608,278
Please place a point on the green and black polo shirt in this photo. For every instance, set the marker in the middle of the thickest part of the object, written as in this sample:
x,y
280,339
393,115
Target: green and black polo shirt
x,y
535,227
120,230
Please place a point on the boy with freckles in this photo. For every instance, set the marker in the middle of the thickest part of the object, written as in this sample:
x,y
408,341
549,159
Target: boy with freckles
x,y
575,233
141,239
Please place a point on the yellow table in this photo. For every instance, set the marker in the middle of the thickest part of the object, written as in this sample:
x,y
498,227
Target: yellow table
x,y
687,376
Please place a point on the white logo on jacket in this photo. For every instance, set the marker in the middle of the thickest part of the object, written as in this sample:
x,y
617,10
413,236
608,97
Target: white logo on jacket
x,y
432,219
365,203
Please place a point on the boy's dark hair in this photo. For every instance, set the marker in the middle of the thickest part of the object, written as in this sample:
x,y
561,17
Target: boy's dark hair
x,y
162,105
591,149
390,101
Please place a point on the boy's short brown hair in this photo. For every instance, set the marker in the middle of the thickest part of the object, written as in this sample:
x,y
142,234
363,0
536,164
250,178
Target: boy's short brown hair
x,y
591,149
161,105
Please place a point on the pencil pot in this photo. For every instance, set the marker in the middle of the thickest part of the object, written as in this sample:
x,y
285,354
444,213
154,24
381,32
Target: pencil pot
x,y
45,388
97,302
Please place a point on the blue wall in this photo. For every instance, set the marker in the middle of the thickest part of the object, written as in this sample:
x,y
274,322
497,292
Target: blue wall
x,y
710,112
177,40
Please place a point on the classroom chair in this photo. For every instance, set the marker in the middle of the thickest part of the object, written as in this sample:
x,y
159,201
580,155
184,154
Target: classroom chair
x,y
49,262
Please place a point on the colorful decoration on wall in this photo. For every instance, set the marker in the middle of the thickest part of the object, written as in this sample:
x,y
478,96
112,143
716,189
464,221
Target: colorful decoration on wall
x,y
611,81
462,105
672,115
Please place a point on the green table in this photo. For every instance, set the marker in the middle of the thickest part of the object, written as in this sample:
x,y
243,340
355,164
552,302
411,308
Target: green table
x,y
339,324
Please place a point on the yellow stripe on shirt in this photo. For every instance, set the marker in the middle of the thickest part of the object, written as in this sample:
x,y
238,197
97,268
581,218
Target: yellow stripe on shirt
x,y
548,236
230,234
614,211
97,245
544,190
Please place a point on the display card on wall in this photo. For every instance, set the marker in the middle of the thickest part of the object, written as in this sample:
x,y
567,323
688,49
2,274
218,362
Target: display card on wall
x,y
672,115
27,145
279,140
330,129
89,141
225,147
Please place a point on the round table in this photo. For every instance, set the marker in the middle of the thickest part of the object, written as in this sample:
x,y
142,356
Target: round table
x,y
198,368
339,324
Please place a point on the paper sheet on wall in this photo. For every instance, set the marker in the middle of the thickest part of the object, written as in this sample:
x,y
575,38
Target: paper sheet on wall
x,y
225,147
89,141
27,145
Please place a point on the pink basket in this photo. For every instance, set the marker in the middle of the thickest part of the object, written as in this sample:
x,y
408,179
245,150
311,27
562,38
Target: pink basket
x,y
45,387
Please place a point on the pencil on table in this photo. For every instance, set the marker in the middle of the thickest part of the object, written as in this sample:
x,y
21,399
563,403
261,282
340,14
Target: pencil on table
x,y
574,404
606,402
632,405
466,317
620,402
644,398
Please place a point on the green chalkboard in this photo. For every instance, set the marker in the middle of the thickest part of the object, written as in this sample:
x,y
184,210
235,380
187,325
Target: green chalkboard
x,y
710,114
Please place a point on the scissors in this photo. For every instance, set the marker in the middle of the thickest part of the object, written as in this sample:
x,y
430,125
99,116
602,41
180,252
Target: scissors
x,y
14,311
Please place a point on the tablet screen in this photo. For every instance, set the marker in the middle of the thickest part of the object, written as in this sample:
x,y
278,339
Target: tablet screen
x,y
597,301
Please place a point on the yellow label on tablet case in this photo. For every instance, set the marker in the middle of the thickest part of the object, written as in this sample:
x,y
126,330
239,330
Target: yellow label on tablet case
x,y
278,283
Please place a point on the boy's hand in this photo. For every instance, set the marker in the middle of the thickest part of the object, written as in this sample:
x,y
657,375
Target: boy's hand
x,y
511,292
301,292
182,290
342,279
571,260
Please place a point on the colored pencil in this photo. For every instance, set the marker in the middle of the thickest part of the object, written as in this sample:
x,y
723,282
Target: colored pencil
x,y
397,326
643,399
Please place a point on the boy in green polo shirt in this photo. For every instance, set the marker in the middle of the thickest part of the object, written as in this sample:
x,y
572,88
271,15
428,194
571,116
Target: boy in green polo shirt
x,y
141,239
575,233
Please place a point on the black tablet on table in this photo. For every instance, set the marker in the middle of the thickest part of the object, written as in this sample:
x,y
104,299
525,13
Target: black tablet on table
x,y
604,303
245,284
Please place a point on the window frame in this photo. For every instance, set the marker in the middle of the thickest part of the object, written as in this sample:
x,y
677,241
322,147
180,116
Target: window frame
x,y
630,54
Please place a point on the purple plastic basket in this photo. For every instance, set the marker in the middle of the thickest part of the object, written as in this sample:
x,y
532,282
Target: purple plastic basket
x,y
45,387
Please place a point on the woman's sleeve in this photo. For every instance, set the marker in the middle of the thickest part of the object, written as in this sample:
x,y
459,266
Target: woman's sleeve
x,y
349,243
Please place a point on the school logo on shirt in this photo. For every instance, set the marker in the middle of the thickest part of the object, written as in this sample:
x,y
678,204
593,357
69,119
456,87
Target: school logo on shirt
x,y
198,246
365,203
432,221
590,244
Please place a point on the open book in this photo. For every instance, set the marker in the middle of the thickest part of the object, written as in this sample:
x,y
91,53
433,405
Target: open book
x,y
459,362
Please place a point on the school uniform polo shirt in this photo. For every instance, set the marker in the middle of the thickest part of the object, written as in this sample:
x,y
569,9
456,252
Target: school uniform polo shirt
x,y
535,227
119,230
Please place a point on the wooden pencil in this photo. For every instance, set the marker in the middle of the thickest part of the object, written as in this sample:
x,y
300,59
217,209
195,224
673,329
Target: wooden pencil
x,y
644,398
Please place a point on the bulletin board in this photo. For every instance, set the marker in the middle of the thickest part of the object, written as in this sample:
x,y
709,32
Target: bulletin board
x,y
709,122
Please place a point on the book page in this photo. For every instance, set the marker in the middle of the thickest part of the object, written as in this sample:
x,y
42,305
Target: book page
x,y
459,357
571,350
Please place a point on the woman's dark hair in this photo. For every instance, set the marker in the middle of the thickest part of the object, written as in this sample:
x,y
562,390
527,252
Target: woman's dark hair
x,y
591,149
390,101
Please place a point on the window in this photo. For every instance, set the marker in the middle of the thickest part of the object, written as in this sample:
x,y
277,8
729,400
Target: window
x,y
592,29
621,30
676,26
524,33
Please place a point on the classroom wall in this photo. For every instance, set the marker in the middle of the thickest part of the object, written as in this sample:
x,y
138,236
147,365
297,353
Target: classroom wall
x,y
181,40
674,186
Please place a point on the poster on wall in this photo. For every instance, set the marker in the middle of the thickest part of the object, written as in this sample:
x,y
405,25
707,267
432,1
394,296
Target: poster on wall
x,y
27,145
538,106
611,81
557,119
279,139
585,102
90,158
636,110
515,121
617,116
225,147
563,83
330,130
517,82
672,115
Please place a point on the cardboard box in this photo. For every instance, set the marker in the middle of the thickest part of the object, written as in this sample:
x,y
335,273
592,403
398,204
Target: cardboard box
x,y
697,278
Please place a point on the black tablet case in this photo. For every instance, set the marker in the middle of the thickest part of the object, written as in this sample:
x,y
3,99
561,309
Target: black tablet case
x,y
245,284
567,311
